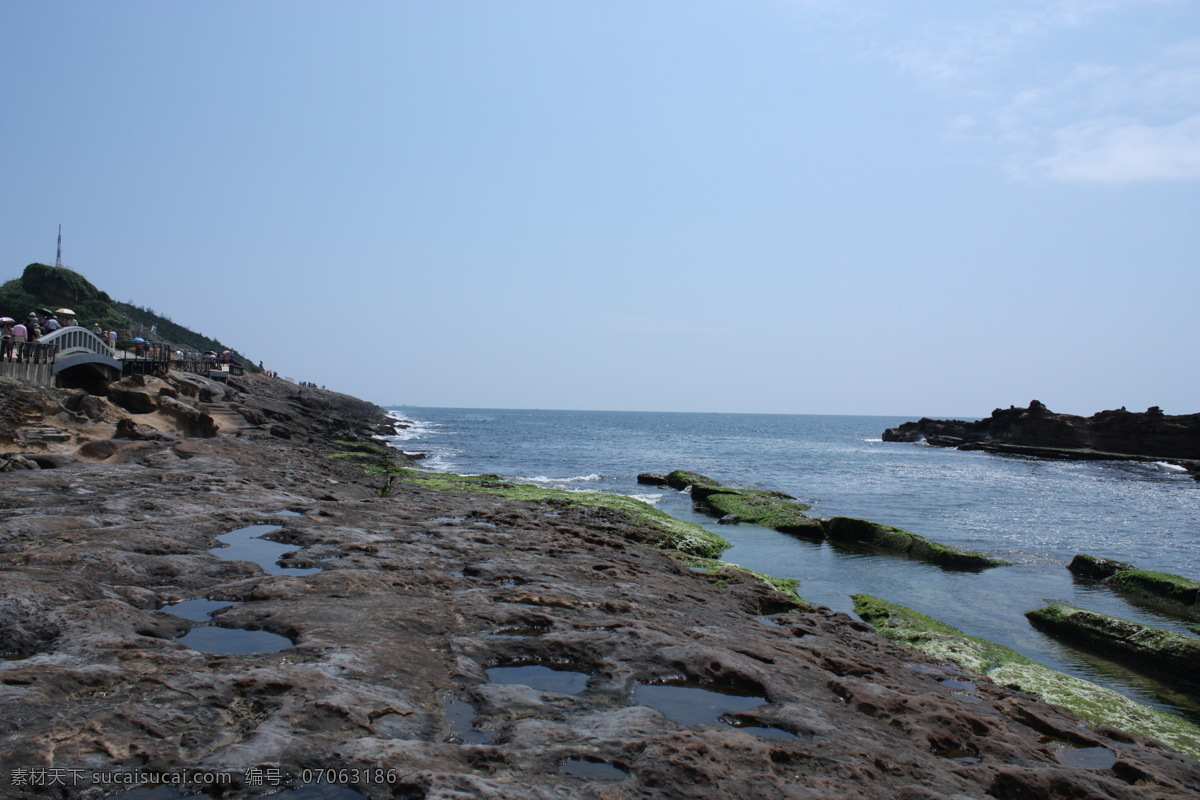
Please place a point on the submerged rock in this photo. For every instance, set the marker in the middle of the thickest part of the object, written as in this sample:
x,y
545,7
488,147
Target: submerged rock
x,y
887,538
1174,656
1169,592
1173,594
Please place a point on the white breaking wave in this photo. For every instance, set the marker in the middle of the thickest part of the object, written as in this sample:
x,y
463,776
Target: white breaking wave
x,y
872,440
577,479
415,429
648,499
1168,467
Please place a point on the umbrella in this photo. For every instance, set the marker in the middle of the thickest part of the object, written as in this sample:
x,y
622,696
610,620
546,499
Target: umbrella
x,y
6,319
66,312
45,311
138,339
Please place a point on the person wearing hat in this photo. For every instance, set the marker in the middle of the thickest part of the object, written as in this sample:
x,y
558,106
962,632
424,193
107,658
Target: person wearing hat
x,y
33,333
52,324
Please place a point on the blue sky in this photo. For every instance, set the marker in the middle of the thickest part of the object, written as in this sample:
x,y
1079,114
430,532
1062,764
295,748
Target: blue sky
x,y
918,208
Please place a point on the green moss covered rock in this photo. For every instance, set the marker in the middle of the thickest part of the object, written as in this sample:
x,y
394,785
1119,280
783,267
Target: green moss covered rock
x,y
1172,592
681,479
765,509
1172,655
890,539
770,509
1005,666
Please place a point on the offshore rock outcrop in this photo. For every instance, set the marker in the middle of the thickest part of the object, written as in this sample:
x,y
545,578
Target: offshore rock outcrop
x,y
1038,431
404,601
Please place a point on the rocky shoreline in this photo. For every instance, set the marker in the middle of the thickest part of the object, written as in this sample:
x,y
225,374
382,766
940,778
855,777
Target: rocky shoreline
x,y
1037,431
445,638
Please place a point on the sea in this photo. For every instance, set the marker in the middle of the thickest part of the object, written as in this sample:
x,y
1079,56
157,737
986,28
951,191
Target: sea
x,y
1035,513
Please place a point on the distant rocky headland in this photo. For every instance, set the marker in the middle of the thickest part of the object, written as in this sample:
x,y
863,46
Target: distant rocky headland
x,y
1148,435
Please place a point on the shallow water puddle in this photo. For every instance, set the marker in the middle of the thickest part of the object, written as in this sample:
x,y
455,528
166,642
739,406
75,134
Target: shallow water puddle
x,y
196,610
245,544
460,715
592,769
242,544
1087,757
692,703
234,641
1070,754
544,679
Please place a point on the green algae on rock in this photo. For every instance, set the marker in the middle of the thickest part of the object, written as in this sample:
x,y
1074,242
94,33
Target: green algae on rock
x,y
1173,594
767,508
1007,667
682,479
897,540
763,508
1173,655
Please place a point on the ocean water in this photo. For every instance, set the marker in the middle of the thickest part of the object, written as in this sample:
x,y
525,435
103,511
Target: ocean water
x,y
1037,514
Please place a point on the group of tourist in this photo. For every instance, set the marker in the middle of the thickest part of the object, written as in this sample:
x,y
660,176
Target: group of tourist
x,y
17,336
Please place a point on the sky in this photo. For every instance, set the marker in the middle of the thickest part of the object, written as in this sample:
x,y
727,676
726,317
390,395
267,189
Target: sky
x,y
928,208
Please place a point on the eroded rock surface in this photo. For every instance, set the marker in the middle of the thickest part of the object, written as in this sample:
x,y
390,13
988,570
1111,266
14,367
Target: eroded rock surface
x,y
418,594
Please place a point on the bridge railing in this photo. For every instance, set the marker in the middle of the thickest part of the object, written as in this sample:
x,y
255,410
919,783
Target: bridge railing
x,y
32,352
75,339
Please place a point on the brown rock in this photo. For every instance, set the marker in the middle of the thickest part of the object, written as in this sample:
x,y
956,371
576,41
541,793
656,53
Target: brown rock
x,y
415,603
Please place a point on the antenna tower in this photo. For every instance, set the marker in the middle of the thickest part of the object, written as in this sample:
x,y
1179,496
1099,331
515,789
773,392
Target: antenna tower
x,y
58,261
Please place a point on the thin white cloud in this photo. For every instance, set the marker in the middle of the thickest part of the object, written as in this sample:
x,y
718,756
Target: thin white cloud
x,y
1119,151
1116,118
1108,123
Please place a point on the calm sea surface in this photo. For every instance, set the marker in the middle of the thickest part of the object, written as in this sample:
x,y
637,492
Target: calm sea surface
x,y
1037,514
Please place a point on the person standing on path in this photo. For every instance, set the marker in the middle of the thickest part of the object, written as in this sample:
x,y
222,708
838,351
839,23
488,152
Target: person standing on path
x,y
20,334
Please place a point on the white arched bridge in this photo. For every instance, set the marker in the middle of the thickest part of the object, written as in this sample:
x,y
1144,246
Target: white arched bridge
x,y
75,357
78,348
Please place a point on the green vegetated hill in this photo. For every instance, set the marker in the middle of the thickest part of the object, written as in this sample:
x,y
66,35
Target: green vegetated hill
x,y
43,286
